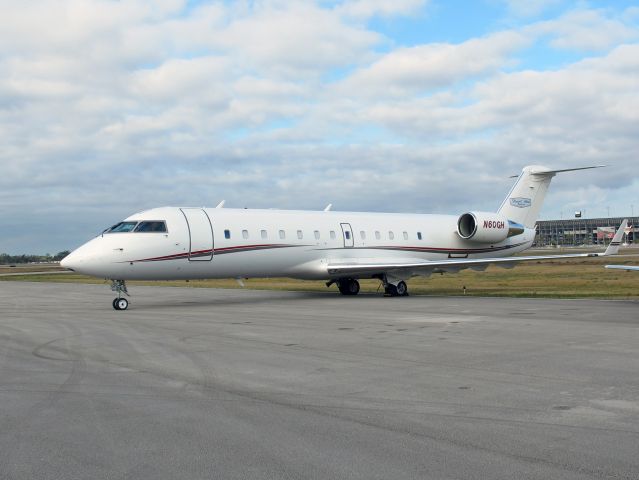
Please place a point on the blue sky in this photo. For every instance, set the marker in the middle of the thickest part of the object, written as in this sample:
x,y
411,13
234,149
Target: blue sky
x,y
108,108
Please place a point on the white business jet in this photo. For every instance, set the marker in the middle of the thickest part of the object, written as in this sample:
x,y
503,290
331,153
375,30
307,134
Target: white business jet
x,y
195,243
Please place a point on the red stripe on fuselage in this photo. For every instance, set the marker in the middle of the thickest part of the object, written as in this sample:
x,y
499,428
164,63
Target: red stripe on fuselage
x,y
235,248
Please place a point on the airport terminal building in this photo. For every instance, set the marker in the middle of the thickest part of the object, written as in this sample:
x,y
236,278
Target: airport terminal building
x,y
583,231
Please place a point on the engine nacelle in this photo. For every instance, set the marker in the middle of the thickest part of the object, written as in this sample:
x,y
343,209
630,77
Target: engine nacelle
x,y
486,227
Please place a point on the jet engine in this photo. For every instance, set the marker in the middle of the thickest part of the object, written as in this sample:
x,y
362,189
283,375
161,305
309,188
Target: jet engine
x,y
486,227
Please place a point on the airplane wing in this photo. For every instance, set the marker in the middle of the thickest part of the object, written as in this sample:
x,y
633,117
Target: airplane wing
x,y
356,268
622,267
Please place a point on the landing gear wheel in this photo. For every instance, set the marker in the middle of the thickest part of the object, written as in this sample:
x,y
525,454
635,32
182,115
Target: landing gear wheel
x,y
119,287
348,286
399,290
120,304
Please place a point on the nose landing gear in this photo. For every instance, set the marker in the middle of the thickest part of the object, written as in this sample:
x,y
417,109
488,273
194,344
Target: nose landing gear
x,y
120,303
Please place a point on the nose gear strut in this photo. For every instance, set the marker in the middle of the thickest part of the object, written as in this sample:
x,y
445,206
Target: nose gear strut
x,y
119,286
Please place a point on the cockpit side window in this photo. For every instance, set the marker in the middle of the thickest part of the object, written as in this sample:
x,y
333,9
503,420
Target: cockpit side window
x,y
155,226
122,227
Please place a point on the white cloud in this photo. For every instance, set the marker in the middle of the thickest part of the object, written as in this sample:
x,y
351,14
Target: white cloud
x,y
586,30
185,78
298,39
593,100
405,71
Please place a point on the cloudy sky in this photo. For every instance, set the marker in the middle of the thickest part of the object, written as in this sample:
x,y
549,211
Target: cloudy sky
x,y
111,107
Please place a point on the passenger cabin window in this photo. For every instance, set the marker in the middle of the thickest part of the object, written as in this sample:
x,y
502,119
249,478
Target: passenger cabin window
x,y
264,234
317,234
391,235
419,235
122,227
333,235
227,234
362,234
378,236
151,226
300,235
282,234
405,235
245,234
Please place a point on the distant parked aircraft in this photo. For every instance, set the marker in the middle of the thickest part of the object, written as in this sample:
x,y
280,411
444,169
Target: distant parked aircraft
x,y
622,267
340,247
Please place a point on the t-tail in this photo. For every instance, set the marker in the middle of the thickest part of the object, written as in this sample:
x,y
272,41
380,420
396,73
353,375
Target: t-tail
x,y
524,202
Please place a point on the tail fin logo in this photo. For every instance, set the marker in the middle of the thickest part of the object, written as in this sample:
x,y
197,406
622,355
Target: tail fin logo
x,y
521,202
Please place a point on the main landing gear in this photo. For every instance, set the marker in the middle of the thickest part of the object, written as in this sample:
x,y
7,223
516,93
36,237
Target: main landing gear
x,y
346,286
399,290
392,287
120,303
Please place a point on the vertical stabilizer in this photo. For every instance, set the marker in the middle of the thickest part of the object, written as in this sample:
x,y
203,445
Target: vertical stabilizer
x,y
524,202
615,243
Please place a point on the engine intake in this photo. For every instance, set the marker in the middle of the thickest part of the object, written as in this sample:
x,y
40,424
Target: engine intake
x,y
486,227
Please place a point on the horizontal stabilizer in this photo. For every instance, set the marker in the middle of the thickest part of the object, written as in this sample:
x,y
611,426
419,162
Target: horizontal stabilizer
x,y
543,171
553,172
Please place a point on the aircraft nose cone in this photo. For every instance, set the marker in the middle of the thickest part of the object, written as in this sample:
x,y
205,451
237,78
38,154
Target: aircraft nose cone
x,y
92,258
68,262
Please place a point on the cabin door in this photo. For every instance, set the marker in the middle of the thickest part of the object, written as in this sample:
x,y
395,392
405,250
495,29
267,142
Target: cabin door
x,y
347,233
200,234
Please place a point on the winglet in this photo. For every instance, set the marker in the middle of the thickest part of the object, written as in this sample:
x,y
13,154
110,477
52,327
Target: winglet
x,y
613,248
221,204
328,207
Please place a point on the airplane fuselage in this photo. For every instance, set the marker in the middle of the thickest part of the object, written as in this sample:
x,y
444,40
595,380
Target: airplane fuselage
x,y
203,243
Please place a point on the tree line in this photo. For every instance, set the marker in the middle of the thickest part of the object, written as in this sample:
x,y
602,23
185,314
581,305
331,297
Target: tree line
x,y
6,259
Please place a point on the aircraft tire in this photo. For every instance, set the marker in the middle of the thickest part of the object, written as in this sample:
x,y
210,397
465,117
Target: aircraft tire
x,y
399,290
353,287
348,286
115,304
120,304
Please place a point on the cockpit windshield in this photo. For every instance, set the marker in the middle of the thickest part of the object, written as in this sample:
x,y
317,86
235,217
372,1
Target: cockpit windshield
x,y
122,227
152,226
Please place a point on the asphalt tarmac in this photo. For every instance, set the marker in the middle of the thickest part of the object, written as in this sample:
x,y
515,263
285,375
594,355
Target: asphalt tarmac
x,y
236,384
